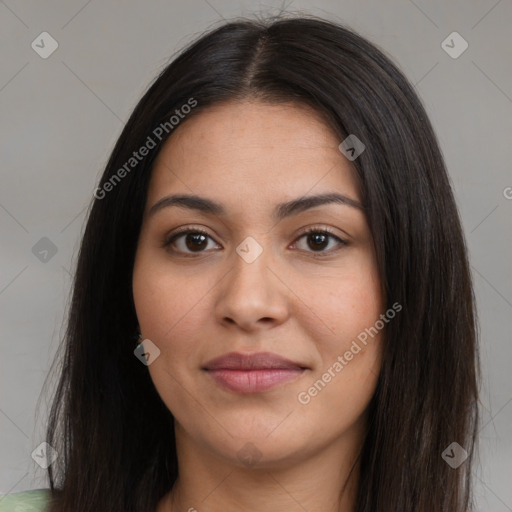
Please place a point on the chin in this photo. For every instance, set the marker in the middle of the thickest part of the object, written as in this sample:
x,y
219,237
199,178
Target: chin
x,y
258,449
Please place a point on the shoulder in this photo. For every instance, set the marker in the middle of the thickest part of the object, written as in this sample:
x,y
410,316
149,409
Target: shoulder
x,y
35,500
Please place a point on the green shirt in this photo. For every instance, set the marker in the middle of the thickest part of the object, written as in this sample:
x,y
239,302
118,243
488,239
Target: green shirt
x,y
27,501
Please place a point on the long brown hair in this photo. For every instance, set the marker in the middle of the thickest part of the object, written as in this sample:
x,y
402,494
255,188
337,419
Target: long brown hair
x,y
115,436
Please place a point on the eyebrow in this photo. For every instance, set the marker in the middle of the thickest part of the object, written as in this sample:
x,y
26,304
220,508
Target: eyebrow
x,y
281,211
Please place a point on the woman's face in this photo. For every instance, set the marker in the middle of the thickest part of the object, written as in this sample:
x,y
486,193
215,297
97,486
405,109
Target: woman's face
x,y
254,283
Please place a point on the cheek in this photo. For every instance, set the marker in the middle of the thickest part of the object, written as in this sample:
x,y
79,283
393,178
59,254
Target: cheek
x,y
340,399
341,387
344,305
167,304
346,309
169,311
356,344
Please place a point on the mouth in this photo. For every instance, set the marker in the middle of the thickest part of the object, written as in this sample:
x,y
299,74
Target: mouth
x,y
252,373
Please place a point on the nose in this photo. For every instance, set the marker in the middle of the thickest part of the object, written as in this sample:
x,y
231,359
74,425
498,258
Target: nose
x,y
253,296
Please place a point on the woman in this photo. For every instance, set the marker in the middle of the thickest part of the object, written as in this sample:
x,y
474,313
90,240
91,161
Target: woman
x,y
272,307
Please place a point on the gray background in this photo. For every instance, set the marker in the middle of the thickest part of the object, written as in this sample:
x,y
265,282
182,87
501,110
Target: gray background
x,y
60,117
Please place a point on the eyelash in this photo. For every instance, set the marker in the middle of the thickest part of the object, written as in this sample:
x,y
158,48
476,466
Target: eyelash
x,y
317,254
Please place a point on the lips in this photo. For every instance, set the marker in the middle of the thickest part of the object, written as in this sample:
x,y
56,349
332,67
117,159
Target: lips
x,y
258,361
252,373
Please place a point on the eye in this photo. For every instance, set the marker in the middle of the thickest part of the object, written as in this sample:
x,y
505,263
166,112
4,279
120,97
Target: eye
x,y
317,239
195,240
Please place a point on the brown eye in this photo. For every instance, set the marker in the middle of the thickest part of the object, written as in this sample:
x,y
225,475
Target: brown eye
x,y
196,241
318,240
189,241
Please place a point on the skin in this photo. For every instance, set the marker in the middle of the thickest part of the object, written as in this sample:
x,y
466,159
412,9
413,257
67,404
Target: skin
x,y
197,302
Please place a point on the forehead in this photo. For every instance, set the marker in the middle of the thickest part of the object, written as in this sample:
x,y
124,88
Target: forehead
x,y
255,151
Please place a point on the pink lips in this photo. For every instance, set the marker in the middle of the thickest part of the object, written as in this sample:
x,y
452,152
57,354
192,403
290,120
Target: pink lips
x,y
252,373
